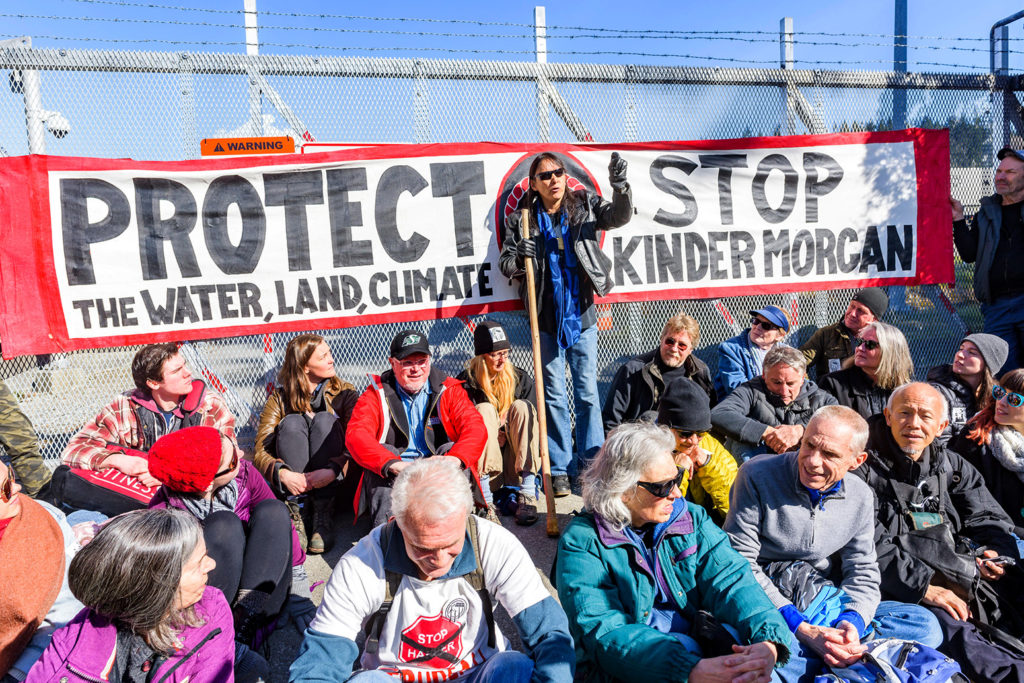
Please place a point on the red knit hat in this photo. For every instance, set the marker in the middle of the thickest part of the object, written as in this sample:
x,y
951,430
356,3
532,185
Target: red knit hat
x,y
186,461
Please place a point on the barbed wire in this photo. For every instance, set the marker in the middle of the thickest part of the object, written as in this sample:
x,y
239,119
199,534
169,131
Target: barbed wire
x,y
553,27
392,32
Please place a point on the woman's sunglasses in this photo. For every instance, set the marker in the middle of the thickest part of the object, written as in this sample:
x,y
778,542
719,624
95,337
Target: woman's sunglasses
x,y
1013,399
547,175
7,489
661,489
231,466
764,325
869,344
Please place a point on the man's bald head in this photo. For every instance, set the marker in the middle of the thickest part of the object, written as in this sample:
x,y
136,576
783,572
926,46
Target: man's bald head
x,y
916,414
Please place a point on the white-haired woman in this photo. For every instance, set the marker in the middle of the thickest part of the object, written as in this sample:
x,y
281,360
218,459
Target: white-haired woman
x,y
636,568
881,362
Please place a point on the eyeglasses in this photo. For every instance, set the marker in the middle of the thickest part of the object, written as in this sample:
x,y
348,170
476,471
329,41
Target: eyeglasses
x,y
417,363
681,343
661,489
1013,399
231,466
498,355
547,175
7,490
869,344
764,325
688,435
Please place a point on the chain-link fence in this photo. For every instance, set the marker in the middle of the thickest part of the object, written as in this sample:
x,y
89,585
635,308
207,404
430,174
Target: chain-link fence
x,y
160,105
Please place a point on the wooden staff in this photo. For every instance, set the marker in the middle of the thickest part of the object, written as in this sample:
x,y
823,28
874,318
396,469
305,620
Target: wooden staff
x,y
545,460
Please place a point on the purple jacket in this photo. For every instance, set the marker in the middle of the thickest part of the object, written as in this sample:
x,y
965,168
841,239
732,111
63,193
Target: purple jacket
x,y
85,649
252,489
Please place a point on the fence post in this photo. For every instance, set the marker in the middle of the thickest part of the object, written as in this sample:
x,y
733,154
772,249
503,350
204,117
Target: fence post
x,y
252,48
186,86
540,39
786,62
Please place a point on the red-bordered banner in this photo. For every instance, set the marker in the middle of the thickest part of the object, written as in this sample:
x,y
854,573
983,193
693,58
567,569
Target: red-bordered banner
x,y
100,252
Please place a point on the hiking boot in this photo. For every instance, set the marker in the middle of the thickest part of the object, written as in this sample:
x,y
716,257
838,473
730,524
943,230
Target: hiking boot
x,y
295,513
323,526
526,509
560,486
490,513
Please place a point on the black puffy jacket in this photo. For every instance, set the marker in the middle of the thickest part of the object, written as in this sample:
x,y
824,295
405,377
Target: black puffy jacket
x,y
967,505
854,389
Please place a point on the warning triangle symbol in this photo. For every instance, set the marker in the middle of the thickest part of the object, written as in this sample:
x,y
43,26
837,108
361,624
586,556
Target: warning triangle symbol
x,y
218,148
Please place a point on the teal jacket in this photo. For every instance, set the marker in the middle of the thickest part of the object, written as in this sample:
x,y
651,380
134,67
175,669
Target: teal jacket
x,y
607,590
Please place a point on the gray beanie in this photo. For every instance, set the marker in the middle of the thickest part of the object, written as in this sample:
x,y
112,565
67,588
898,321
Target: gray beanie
x,y
993,349
875,299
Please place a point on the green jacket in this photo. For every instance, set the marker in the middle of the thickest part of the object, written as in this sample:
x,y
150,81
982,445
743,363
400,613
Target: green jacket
x,y
830,343
607,590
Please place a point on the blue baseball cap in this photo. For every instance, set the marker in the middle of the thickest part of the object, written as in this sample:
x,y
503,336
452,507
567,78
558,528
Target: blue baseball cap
x,y
774,315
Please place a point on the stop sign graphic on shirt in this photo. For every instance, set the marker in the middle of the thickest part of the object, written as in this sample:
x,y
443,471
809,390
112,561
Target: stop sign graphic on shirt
x,y
437,638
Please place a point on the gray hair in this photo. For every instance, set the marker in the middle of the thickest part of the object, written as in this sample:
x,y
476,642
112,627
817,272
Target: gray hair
x,y
131,572
627,453
903,387
431,488
784,355
848,416
896,366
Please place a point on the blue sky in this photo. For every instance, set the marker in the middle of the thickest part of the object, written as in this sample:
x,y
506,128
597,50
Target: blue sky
x,y
942,31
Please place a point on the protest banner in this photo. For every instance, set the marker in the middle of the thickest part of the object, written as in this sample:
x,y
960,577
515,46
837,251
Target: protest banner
x,y
100,252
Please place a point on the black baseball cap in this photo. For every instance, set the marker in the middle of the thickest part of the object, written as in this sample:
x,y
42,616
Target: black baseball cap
x,y
408,342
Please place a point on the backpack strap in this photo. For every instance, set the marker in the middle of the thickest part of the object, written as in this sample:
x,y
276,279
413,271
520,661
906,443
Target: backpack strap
x,y
375,624
476,580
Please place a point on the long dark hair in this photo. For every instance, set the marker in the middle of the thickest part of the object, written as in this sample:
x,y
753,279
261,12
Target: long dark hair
x,y
984,421
569,199
292,376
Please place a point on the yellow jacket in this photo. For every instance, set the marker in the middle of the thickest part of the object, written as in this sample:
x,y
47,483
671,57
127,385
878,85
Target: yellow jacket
x,y
712,482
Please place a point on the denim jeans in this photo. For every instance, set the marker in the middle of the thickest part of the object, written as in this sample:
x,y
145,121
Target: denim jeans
x,y
504,667
1005,318
892,620
581,358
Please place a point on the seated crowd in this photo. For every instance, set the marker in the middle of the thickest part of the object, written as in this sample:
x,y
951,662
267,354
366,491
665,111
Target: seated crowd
x,y
753,525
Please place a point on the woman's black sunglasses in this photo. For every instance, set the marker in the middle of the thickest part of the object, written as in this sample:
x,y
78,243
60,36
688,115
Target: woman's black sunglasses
x,y
661,489
869,344
547,175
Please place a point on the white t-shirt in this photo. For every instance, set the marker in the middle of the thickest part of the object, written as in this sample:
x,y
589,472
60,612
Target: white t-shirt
x,y
434,629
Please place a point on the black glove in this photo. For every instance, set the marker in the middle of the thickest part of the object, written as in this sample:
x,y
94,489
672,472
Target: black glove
x,y
617,173
526,248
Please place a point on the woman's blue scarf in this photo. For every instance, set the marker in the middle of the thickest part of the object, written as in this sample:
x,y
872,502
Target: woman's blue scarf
x,y
565,282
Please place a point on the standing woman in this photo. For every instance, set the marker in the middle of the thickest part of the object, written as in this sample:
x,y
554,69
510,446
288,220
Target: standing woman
x,y
881,362
300,442
569,269
741,358
504,395
967,383
150,614
993,442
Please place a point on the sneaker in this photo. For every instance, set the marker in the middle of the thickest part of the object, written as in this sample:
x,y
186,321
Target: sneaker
x,y
526,509
560,485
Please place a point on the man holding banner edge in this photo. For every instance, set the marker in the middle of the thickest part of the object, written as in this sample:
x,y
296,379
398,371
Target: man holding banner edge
x,y
570,269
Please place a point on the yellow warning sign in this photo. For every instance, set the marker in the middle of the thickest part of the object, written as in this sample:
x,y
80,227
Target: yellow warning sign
x,y
232,146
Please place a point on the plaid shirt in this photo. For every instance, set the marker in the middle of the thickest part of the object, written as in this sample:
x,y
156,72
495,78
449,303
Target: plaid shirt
x,y
116,426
